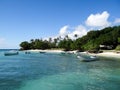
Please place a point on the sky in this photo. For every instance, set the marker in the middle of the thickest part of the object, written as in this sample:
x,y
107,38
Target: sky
x,y
23,20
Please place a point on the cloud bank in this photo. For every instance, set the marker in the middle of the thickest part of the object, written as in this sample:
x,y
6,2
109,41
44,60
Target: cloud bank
x,y
64,30
93,22
79,30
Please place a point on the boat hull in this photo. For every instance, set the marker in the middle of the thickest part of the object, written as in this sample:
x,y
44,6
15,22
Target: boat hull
x,y
11,53
87,58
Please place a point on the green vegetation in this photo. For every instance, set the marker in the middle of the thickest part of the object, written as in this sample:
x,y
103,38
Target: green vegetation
x,y
109,37
118,47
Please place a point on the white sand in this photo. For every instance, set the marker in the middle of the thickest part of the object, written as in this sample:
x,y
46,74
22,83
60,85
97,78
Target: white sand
x,y
48,51
108,54
51,51
104,54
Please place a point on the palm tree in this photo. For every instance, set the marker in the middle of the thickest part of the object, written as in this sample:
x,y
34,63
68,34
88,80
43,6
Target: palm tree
x,y
50,40
67,37
32,40
75,36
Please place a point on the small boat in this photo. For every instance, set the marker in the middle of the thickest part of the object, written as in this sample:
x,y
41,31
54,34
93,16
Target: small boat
x,y
63,53
42,52
9,53
27,52
87,58
66,53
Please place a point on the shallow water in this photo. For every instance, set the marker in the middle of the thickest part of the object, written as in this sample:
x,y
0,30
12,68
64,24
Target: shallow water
x,y
49,71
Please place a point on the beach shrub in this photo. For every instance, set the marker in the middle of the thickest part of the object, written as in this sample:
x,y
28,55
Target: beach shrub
x,y
118,47
118,40
91,45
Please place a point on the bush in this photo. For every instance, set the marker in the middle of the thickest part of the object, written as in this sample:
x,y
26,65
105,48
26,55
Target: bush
x,y
118,47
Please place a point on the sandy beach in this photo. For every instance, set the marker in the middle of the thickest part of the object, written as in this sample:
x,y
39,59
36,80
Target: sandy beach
x,y
109,54
104,54
48,51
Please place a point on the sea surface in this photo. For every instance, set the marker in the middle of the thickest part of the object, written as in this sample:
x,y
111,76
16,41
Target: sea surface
x,y
54,71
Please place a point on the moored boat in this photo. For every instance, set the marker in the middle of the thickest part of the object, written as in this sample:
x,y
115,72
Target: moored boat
x,y
87,58
42,52
9,53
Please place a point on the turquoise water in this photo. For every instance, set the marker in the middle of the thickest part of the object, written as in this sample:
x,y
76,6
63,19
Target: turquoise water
x,y
49,71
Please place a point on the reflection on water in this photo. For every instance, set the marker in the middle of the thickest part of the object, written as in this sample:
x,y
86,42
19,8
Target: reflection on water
x,y
48,71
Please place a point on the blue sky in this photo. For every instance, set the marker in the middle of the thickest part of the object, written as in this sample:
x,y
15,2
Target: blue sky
x,y
22,20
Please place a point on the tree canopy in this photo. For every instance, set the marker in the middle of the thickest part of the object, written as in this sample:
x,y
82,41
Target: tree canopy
x,y
91,41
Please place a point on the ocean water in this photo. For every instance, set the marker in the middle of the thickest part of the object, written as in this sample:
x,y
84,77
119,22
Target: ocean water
x,y
50,71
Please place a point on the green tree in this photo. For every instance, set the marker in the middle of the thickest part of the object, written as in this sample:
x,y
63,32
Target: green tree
x,y
25,45
66,44
118,40
118,47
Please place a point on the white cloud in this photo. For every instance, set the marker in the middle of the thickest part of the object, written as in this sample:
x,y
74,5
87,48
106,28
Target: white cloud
x,y
93,22
64,30
62,33
117,21
80,30
98,20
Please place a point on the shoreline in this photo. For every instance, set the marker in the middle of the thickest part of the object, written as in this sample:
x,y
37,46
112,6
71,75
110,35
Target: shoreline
x,y
104,54
47,51
107,54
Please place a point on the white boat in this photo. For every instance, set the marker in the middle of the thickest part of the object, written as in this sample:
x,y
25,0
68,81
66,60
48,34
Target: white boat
x,y
87,57
9,53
